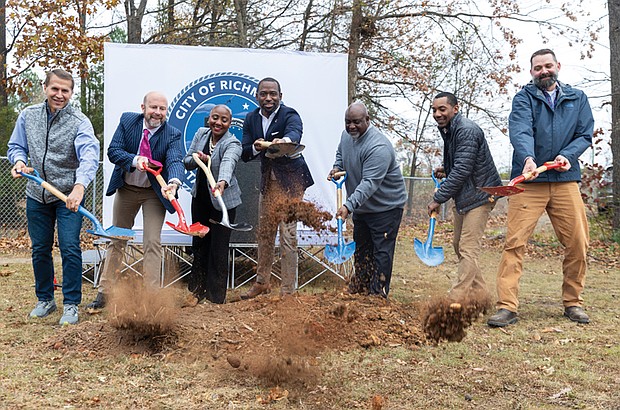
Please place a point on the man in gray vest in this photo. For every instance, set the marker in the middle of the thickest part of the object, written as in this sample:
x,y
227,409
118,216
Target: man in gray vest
x,y
60,142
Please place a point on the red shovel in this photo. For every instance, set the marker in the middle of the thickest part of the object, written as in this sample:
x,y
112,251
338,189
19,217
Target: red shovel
x,y
195,229
511,189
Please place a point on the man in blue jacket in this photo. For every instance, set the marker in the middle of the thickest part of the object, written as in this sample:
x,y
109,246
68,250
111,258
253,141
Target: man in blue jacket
x,y
550,121
281,178
135,188
467,165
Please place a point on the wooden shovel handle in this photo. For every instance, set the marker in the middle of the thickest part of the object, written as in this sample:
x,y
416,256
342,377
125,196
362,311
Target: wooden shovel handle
x,y
339,174
265,144
54,191
207,170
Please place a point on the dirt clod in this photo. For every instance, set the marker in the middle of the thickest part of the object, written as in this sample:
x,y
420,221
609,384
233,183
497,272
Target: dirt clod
x,y
447,320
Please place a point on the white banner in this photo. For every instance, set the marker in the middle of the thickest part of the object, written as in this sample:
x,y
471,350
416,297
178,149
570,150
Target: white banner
x,y
196,78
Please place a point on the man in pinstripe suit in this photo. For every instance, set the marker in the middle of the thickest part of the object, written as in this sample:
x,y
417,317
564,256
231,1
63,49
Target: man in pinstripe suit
x,y
135,188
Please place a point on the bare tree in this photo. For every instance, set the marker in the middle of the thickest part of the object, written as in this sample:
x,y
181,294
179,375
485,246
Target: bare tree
x,y
4,99
134,14
614,54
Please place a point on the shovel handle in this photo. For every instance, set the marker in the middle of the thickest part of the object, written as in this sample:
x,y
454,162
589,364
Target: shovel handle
x,y
265,144
207,170
544,167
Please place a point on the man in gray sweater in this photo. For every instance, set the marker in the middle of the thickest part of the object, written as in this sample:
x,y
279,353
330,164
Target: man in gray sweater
x,y
376,197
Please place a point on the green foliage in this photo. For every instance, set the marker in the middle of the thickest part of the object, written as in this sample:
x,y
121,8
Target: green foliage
x,y
8,115
93,108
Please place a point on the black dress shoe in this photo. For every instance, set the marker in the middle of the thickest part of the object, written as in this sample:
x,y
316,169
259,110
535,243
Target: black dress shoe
x,y
503,317
98,303
576,314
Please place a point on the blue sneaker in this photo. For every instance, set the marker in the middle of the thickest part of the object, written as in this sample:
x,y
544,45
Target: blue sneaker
x,y
43,308
69,315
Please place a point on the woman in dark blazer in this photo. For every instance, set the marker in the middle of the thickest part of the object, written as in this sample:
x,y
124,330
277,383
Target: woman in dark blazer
x,y
208,278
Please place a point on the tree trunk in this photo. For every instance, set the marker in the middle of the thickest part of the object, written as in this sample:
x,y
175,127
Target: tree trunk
x,y
241,9
171,22
411,182
4,98
614,54
355,43
304,33
83,65
134,20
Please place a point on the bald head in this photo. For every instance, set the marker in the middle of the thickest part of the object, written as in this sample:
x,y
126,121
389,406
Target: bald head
x,y
154,108
356,119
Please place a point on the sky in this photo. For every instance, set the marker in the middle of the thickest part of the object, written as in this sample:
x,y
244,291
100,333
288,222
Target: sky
x,y
586,74
590,75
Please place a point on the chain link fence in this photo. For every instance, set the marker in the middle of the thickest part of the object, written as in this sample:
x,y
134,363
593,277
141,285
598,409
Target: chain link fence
x,y
13,201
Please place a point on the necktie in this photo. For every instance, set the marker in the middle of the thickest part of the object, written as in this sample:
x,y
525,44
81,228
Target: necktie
x,y
549,99
145,146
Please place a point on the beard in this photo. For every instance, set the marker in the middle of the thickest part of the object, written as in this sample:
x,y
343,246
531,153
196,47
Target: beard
x,y
154,122
545,82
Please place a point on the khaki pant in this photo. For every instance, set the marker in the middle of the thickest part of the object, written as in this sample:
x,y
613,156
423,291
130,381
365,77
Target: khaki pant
x,y
563,203
468,233
266,243
127,202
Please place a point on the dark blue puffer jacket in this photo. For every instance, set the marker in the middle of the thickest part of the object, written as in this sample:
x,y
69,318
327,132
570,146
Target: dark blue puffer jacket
x,y
468,164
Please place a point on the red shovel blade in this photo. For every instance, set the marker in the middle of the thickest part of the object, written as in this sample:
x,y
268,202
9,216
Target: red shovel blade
x,y
195,229
502,190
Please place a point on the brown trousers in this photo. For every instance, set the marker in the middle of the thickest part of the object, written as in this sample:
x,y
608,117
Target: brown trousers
x,y
267,237
563,203
467,242
127,202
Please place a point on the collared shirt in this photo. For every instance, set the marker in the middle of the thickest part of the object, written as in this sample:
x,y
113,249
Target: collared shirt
x,y
86,154
141,179
266,122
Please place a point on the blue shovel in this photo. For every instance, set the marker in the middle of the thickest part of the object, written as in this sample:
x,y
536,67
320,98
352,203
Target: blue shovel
x,y
341,252
112,232
431,256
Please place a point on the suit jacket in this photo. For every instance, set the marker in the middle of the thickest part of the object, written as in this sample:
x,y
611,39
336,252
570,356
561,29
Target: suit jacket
x,y
223,162
165,148
292,174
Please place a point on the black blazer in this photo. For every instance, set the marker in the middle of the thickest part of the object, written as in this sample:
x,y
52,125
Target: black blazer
x,y
292,174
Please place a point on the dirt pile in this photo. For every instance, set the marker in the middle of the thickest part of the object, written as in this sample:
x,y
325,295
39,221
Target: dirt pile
x,y
278,340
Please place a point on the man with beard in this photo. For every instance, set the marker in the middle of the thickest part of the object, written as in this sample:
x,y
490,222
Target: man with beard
x,y
139,138
376,197
550,121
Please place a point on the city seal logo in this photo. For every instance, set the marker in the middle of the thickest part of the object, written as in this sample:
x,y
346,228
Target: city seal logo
x,y
191,107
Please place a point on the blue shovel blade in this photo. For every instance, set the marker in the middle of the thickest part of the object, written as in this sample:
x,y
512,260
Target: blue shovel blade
x,y
113,232
339,254
429,255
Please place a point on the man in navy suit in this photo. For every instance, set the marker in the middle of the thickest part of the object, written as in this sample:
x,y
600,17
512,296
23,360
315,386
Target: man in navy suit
x,y
281,178
135,188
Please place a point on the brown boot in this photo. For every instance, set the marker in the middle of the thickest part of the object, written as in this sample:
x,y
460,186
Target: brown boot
x,y
255,290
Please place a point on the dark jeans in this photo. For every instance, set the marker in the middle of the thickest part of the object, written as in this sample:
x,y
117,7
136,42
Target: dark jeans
x,y
375,240
41,221
209,276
